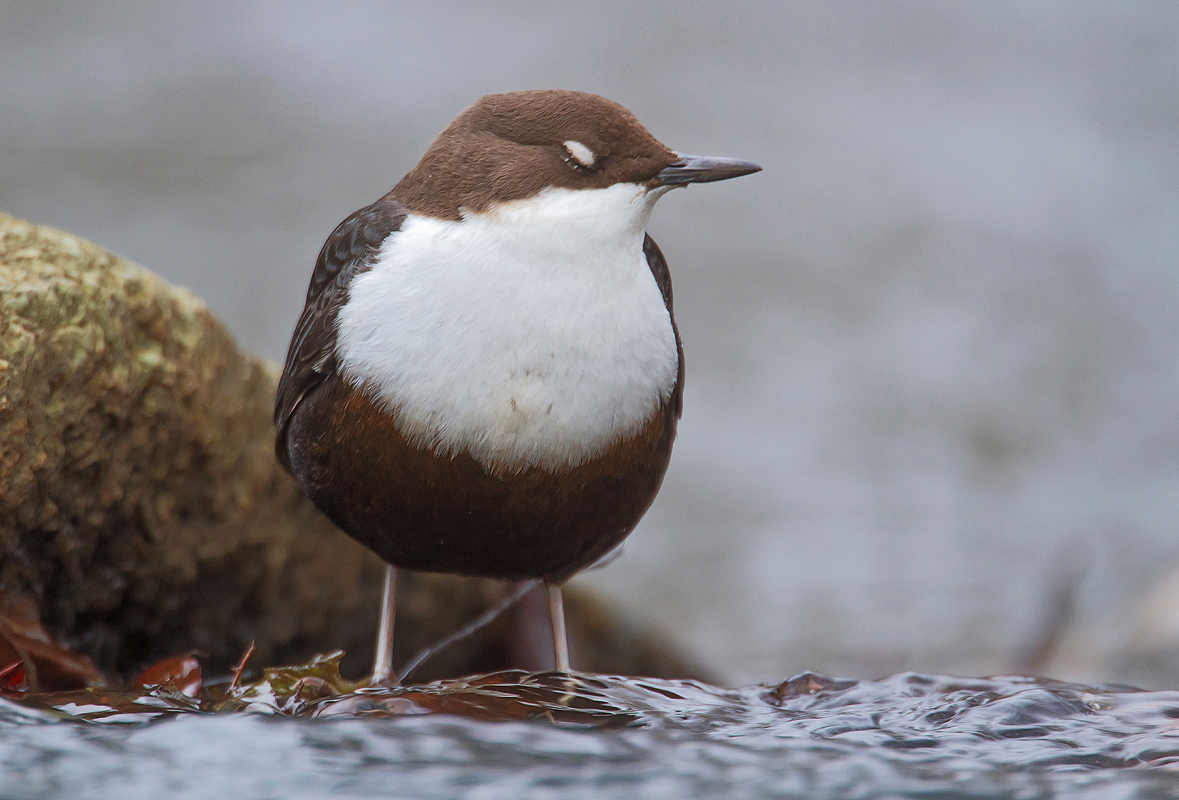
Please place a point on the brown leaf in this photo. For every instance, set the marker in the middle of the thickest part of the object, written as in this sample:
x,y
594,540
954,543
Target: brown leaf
x,y
180,674
26,648
12,678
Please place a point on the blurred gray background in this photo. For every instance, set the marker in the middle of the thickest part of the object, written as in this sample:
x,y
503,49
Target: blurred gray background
x,y
932,349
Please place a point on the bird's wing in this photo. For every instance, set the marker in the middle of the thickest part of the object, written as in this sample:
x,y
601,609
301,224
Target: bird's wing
x,y
658,265
351,249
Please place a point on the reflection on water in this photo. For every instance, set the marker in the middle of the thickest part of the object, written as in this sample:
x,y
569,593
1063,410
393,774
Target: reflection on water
x,y
520,735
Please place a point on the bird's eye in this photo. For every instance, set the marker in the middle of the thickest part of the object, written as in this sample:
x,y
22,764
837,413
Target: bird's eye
x,y
580,157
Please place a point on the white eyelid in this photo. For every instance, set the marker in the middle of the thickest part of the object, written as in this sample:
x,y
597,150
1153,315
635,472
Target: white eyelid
x,y
581,154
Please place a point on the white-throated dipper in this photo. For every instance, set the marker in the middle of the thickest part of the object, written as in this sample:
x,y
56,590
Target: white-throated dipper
x,y
487,375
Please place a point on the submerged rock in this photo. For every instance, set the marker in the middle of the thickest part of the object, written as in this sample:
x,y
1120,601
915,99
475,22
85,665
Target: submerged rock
x,y
142,509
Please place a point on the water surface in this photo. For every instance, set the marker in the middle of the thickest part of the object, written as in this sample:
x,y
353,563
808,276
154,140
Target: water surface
x,y
520,735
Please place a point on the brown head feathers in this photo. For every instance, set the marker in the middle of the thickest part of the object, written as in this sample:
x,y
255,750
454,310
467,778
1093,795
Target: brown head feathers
x,y
511,146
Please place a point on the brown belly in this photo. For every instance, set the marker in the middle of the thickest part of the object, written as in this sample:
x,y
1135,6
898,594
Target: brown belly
x,y
420,511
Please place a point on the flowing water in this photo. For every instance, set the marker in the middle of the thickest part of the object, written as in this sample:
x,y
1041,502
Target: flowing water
x,y
520,735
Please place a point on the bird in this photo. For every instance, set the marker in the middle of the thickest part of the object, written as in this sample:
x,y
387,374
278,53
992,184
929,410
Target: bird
x,y
486,377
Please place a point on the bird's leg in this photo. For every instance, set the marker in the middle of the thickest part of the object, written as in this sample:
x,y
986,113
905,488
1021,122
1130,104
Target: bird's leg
x,y
383,674
557,619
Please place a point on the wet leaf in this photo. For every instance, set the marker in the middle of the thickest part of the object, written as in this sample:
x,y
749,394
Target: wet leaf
x,y
30,660
322,671
12,677
108,705
181,674
289,690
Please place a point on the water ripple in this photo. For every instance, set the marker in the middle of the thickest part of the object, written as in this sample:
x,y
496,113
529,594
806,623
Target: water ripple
x,y
520,735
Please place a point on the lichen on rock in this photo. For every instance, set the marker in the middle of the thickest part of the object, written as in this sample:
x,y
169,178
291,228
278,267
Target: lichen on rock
x,y
141,507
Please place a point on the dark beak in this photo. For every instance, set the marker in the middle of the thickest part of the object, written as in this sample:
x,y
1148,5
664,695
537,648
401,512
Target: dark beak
x,y
704,169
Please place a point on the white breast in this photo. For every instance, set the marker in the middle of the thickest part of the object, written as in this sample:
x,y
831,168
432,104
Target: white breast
x,y
533,334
